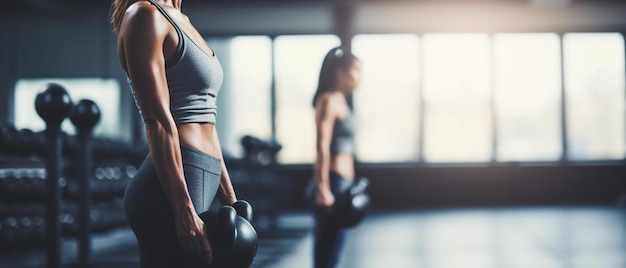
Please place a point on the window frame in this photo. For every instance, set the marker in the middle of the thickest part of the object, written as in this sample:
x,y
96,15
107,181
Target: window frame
x,y
419,162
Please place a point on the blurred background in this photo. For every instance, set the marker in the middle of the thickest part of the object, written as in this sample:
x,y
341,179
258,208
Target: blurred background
x,y
493,131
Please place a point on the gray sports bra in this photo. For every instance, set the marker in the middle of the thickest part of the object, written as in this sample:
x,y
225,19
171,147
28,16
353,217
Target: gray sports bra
x,y
342,140
194,78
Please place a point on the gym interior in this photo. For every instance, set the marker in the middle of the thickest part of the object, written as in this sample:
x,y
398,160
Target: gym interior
x,y
492,132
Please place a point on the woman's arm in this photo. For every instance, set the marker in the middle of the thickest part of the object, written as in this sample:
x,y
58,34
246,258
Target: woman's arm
x,y
324,122
225,193
143,33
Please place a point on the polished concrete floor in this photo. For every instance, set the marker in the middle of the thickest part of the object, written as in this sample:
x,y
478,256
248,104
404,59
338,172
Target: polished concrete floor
x,y
548,237
484,238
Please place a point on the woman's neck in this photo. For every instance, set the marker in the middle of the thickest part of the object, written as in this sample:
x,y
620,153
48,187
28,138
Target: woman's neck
x,y
343,91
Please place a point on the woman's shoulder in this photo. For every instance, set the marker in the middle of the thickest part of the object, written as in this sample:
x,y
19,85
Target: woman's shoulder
x,y
143,17
324,100
332,102
141,11
141,7
331,97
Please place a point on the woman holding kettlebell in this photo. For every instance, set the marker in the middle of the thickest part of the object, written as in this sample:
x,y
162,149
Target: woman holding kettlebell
x,y
334,166
175,77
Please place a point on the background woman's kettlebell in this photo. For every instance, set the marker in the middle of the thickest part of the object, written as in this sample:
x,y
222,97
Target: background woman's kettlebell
x,y
353,205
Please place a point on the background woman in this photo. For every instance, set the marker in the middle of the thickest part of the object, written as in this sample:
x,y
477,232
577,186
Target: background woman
x,y
334,165
175,77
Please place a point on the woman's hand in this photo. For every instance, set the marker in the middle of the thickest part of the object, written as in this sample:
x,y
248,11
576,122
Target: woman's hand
x,y
191,234
324,197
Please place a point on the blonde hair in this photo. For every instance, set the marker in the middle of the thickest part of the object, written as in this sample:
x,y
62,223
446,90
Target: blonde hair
x,y
118,8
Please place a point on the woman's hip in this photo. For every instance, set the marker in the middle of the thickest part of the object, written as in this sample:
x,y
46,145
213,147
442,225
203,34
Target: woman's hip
x,y
145,201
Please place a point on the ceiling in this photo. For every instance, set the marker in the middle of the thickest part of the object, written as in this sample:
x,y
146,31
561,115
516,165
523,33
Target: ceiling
x,y
53,6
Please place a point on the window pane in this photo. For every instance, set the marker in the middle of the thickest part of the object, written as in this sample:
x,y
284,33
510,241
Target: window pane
x,y
457,79
104,92
594,80
528,97
245,97
387,102
298,60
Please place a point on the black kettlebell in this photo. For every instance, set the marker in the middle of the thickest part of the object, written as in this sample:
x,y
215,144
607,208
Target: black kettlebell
x,y
352,206
233,239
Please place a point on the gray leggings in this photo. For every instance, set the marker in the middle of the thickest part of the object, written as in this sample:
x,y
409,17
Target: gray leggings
x,y
329,236
150,214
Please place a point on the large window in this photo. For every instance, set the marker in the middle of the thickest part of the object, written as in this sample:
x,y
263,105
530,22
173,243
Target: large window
x,y
245,97
528,87
594,83
436,98
104,92
457,97
387,102
298,60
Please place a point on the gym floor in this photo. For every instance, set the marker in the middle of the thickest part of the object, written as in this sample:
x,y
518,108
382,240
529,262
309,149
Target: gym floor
x,y
538,237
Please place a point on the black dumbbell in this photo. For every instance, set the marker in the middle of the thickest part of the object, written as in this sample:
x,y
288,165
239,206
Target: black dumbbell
x,y
4,191
8,233
40,142
21,185
10,188
27,142
69,224
98,221
8,138
38,181
233,239
249,142
352,206
118,182
25,187
25,230
39,229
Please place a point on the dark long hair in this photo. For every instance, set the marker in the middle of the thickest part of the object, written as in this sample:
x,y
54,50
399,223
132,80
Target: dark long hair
x,y
336,59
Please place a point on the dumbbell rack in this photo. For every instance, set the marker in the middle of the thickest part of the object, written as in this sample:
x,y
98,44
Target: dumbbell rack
x,y
256,179
23,187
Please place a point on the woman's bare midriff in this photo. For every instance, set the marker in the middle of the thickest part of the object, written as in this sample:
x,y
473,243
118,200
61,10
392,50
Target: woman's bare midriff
x,y
200,137
342,164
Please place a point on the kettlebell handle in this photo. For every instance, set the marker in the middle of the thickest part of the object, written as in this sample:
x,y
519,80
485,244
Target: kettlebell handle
x,y
227,233
244,209
359,186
